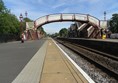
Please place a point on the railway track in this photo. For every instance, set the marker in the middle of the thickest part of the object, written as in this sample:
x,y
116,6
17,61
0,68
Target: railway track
x,y
108,63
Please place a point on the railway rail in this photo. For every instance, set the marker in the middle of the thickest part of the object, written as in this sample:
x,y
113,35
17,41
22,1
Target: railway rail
x,y
107,62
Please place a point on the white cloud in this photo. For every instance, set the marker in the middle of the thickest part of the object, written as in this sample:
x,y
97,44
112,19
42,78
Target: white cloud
x,y
66,10
58,5
37,14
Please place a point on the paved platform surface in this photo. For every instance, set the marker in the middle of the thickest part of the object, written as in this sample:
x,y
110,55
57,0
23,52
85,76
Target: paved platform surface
x,y
50,65
58,69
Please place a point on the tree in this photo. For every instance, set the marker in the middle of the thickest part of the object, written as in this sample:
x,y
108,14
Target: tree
x,y
2,7
63,32
24,22
9,24
114,23
54,35
42,31
27,19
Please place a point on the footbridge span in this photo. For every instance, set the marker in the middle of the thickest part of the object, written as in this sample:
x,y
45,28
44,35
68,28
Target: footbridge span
x,y
89,24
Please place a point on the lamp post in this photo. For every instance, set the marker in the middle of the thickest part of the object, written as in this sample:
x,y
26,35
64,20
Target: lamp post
x,y
105,15
26,14
21,28
21,20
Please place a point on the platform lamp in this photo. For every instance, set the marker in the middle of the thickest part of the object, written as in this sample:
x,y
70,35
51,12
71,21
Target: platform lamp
x,y
26,19
21,25
26,14
105,15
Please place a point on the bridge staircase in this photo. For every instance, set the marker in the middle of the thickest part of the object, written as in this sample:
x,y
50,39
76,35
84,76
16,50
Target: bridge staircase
x,y
95,33
90,31
98,34
82,30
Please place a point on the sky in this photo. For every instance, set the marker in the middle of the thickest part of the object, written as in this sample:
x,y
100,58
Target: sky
x,y
38,8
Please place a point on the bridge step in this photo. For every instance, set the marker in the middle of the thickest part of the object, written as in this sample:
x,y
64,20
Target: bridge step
x,y
95,34
90,31
82,27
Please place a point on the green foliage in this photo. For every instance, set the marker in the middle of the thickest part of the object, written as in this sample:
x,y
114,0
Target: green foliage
x,y
63,32
2,7
54,35
24,22
42,30
27,20
114,23
9,23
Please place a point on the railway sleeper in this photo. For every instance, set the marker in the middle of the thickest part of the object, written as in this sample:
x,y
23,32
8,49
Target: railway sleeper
x,y
108,64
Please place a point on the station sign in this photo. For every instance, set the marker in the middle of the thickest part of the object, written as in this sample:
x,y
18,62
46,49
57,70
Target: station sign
x,y
103,24
29,25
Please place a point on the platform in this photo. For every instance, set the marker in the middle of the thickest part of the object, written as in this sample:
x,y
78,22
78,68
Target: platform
x,y
50,65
